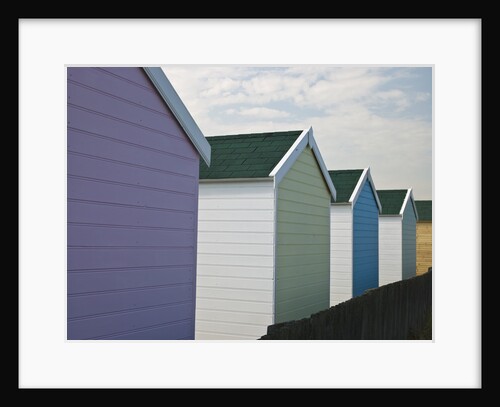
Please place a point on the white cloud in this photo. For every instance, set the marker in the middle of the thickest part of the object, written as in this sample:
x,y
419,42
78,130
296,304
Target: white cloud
x,y
422,96
356,113
263,113
222,87
397,150
393,96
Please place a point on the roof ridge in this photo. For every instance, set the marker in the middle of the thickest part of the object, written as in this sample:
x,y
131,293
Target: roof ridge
x,y
348,170
267,133
251,155
392,200
424,208
391,190
345,182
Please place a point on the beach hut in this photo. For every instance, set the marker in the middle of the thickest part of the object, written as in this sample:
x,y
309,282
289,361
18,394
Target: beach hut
x,y
354,235
133,154
397,235
424,236
264,234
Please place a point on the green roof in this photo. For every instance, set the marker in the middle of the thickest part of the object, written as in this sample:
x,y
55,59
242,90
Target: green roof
x,y
391,200
247,155
345,181
424,209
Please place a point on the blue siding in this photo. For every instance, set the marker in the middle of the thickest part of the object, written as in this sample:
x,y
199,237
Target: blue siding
x,y
365,242
132,191
409,242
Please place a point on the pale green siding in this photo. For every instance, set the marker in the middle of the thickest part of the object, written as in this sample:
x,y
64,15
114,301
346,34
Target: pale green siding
x,y
302,241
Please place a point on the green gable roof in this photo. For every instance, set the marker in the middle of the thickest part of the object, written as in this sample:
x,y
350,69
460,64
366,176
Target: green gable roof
x,y
345,181
424,209
246,155
391,200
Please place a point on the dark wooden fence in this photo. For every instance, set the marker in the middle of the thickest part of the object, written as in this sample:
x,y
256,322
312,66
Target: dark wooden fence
x,y
393,311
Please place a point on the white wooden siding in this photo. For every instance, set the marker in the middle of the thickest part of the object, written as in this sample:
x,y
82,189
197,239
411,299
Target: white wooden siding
x,y
234,290
390,249
341,254
409,242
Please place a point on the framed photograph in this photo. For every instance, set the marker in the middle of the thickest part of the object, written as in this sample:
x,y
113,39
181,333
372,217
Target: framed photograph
x,y
328,114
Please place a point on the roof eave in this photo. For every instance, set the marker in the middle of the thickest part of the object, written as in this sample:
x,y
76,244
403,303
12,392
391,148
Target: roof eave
x,y
286,162
322,165
409,197
365,176
181,113
255,179
306,138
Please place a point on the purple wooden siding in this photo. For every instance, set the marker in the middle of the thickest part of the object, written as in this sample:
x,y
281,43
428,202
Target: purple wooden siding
x,y
132,210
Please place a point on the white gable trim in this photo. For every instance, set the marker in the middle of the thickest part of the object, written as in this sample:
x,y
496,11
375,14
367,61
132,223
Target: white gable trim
x,y
359,186
290,157
322,166
285,164
409,197
174,102
365,176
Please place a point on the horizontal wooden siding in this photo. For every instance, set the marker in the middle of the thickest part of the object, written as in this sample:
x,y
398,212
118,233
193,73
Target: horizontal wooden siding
x,y
341,254
303,241
409,242
424,247
390,250
365,258
235,260
132,193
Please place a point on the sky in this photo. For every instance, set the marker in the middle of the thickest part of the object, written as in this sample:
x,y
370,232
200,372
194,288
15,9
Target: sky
x,y
377,117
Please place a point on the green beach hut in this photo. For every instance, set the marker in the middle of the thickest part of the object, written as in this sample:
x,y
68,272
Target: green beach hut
x,y
263,234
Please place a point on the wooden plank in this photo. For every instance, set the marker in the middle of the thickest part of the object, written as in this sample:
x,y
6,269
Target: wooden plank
x,y
111,149
233,260
237,190
101,81
232,294
106,236
105,192
119,109
246,272
229,316
240,204
121,279
228,226
103,169
234,305
241,238
137,76
236,283
254,249
240,329
424,247
120,325
100,303
107,258
236,215
116,215
107,127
